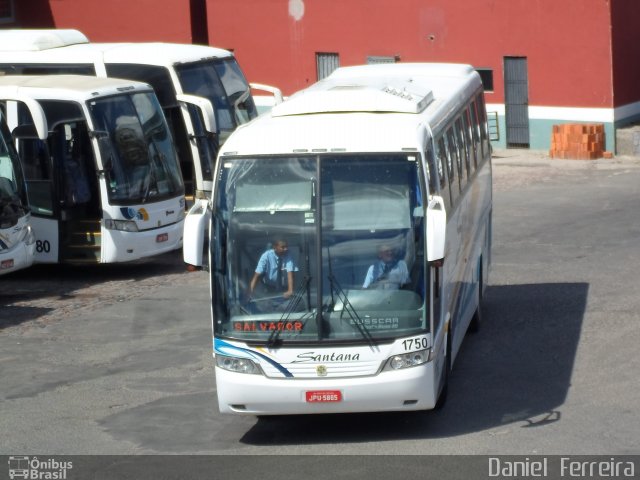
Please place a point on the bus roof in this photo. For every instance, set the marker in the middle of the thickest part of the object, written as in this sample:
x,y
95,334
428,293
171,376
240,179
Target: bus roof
x,y
72,46
363,108
35,40
67,87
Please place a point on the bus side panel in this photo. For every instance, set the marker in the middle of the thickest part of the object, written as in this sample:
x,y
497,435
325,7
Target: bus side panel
x,y
47,239
469,242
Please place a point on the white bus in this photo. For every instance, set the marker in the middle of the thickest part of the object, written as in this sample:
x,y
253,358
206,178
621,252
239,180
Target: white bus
x,y
17,240
189,81
104,185
378,180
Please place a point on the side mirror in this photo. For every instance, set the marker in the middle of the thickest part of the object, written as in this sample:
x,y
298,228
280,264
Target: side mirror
x,y
40,125
25,132
275,91
436,229
205,106
195,225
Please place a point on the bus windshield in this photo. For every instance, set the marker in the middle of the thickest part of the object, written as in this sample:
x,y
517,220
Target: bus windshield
x,y
137,151
223,83
13,195
319,248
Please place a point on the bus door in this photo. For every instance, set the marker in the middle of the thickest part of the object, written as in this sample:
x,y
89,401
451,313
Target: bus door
x,y
41,188
63,188
78,194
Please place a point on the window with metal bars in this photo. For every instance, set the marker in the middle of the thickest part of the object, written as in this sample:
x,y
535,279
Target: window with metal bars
x,y
326,63
6,11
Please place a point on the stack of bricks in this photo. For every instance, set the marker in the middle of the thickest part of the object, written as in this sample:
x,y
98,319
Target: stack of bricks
x,y
580,141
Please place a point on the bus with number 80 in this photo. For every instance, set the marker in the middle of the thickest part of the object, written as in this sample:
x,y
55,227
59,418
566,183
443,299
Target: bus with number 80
x,y
103,179
17,240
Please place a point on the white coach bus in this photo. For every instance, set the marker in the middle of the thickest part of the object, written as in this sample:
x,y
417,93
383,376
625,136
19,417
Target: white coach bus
x,y
103,181
374,188
190,81
17,240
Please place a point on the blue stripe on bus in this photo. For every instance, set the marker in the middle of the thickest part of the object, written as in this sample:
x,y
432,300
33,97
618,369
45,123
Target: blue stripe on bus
x,y
219,346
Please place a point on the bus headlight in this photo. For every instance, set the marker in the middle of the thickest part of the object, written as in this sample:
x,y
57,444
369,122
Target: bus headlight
x,y
406,360
238,365
29,236
122,225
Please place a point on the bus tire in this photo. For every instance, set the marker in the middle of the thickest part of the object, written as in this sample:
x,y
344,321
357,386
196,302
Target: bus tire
x,y
476,320
442,398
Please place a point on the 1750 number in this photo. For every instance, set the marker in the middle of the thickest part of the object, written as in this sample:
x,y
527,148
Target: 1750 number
x,y
419,343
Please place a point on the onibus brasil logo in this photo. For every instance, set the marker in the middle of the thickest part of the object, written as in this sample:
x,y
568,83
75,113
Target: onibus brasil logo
x,y
34,468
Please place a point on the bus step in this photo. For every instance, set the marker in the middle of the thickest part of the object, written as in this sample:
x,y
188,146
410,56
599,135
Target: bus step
x,y
81,254
85,238
83,233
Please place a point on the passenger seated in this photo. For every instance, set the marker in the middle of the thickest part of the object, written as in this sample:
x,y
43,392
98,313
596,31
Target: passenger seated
x,y
388,272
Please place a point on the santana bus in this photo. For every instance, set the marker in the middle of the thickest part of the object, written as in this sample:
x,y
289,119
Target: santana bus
x,y
189,81
378,180
104,185
17,240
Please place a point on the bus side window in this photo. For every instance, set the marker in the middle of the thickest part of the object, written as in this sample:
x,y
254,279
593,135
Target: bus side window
x,y
453,165
36,163
475,129
35,160
482,120
431,170
445,191
468,135
462,153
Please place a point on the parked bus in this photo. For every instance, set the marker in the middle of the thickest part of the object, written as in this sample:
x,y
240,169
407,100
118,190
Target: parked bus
x,y
17,240
104,185
373,187
189,81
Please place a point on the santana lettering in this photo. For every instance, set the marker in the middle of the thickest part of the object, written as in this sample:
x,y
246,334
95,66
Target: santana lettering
x,y
326,357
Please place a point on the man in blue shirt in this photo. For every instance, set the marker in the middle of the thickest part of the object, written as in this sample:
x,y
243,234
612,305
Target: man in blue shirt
x,y
276,268
388,272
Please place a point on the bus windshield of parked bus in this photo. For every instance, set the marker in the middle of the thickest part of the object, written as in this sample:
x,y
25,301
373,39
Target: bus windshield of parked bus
x,y
319,248
223,83
13,195
137,150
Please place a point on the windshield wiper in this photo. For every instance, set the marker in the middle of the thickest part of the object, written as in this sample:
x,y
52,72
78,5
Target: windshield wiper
x,y
292,306
347,307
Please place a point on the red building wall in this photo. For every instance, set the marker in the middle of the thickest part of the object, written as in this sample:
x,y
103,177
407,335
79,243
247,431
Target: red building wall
x,y
111,20
567,43
578,51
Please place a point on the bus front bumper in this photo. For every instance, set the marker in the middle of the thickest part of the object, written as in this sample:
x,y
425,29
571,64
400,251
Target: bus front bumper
x,y
400,390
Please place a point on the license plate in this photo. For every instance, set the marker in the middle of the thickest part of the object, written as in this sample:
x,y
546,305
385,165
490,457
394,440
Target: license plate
x,y
6,264
163,237
324,396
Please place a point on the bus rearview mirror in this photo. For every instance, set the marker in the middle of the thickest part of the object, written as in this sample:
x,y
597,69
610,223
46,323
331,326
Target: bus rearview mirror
x,y
436,229
194,233
206,109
